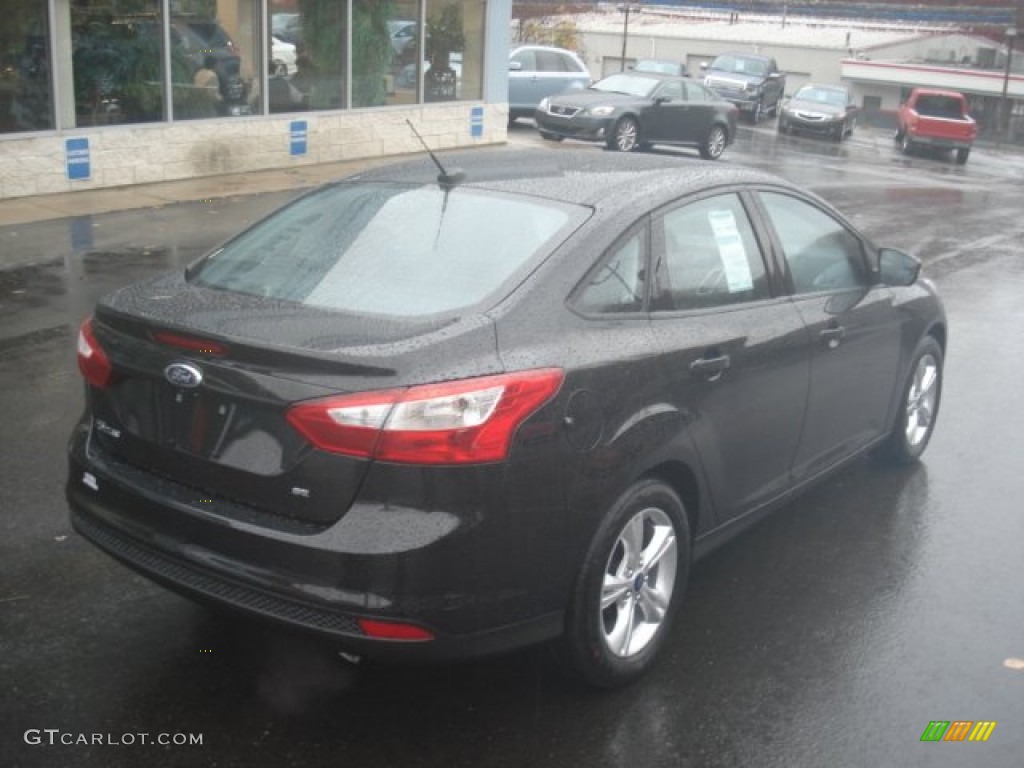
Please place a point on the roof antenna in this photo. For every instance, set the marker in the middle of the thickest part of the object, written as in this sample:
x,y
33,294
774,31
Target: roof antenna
x,y
445,179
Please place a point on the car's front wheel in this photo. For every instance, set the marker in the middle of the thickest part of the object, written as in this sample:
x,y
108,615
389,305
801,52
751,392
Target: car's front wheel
x,y
962,155
630,586
625,135
714,143
919,407
548,136
906,145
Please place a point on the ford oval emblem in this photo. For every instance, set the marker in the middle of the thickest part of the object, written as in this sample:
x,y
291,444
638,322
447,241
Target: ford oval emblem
x,y
183,375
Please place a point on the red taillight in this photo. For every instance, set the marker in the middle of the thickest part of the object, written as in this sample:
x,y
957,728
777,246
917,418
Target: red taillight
x,y
92,360
191,343
390,630
455,422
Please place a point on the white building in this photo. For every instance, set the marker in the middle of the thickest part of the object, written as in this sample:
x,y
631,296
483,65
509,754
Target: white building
x,y
881,62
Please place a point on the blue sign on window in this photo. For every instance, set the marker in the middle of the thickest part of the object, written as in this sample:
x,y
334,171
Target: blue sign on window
x,y
298,132
476,122
76,154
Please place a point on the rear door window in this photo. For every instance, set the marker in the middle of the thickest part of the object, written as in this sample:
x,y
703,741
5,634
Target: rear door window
x,y
551,61
392,249
569,64
707,256
618,283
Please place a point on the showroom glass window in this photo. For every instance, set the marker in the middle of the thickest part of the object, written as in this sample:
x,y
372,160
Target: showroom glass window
x,y
455,50
385,52
215,58
315,33
26,92
116,56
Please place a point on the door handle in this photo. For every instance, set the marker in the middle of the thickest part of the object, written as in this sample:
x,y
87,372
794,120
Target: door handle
x,y
711,368
833,335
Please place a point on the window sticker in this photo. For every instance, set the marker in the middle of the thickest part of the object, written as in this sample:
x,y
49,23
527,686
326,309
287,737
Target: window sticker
x,y
731,250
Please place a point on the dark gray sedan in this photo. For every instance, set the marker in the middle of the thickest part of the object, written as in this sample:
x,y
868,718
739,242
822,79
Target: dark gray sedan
x,y
633,110
826,110
443,416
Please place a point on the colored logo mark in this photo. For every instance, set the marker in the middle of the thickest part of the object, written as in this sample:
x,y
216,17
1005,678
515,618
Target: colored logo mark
x,y
958,730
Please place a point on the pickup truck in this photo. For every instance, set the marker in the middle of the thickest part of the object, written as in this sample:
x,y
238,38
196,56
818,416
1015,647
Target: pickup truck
x,y
753,83
938,119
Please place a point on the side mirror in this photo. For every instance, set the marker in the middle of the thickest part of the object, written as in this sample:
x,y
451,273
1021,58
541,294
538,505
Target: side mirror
x,y
659,100
515,66
703,66
897,268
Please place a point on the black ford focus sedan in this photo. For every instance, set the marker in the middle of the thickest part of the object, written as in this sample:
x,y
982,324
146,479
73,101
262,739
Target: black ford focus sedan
x,y
445,416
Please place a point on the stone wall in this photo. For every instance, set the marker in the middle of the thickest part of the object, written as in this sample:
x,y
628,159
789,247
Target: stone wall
x,y
123,155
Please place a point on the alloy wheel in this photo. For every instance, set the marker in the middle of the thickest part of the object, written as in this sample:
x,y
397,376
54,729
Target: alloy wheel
x,y
626,135
639,578
714,144
922,396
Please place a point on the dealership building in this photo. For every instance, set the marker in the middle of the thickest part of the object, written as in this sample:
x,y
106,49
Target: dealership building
x,y
102,93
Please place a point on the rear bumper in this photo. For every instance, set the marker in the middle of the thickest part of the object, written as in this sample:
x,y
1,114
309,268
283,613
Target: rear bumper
x,y
420,569
941,142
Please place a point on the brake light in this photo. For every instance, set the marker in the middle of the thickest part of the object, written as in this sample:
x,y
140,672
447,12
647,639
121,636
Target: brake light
x,y
455,422
92,360
390,630
190,343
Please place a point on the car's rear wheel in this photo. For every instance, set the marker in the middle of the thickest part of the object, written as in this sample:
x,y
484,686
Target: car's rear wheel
x,y
625,135
714,143
919,407
630,586
962,155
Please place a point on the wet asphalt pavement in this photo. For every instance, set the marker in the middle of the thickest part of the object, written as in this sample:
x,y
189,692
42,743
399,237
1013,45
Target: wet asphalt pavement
x,y
828,635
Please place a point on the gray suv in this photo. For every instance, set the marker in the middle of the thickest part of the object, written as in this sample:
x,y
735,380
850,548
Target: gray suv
x,y
536,71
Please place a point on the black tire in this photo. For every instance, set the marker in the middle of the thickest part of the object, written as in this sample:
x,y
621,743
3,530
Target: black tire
x,y
919,406
625,135
906,145
714,143
612,645
550,136
962,155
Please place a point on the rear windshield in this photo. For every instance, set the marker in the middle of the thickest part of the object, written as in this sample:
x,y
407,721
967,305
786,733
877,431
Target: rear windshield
x,y
932,105
391,249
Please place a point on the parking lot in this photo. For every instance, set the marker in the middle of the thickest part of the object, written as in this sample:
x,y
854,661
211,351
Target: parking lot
x,y
831,634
